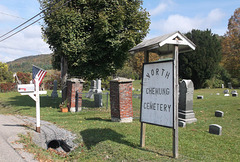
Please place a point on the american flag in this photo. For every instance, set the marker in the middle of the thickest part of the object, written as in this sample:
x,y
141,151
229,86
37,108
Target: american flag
x,y
36,71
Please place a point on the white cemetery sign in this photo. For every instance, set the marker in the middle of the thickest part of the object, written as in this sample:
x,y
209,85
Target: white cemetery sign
x,y
159,103
157,94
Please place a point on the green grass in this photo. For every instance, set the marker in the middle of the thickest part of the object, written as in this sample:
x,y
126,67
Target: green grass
x,y
103,140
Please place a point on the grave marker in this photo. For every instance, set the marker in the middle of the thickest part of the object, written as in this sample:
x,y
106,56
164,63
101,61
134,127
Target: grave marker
x,y
226,91
98,86
185,111
54,92
234,93
219,113
215,129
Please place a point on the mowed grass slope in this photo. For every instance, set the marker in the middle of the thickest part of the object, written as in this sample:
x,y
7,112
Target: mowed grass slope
x,y
101,140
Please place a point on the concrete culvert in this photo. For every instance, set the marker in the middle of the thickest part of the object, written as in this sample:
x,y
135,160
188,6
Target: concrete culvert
x,y
57,143
53,144
65,146
52,136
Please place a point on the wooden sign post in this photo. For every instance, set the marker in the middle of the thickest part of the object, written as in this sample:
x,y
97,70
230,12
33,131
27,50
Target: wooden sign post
x,y
176,90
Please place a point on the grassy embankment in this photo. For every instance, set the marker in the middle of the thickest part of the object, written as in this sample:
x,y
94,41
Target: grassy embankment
x,y
100,139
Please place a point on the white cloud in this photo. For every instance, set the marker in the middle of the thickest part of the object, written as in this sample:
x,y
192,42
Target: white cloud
x,y
185,24
161,7
174,23
215,16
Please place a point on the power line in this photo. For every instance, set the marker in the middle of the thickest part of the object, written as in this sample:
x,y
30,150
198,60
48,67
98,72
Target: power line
x,y
25,22
19,49
30,20
12,15
21,25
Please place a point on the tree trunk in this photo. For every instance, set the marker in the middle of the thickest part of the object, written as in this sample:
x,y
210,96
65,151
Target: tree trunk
x,y
64,69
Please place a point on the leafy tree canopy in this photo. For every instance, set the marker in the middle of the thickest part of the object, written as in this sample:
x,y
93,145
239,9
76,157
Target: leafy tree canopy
x,y
201,64
231,46
94,36
138,60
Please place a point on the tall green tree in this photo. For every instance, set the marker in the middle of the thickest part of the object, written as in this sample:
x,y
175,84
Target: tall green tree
x,y
201,64
231,46
94,36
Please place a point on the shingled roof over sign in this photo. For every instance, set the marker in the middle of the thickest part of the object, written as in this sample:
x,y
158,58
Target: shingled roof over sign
x,y
165,44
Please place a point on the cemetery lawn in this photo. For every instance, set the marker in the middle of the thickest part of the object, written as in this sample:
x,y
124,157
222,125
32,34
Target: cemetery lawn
x,y
100,139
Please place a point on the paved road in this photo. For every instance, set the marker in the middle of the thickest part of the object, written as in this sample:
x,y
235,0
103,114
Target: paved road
x,y
10,127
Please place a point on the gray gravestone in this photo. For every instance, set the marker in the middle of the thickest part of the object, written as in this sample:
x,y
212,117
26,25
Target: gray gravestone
x,y
229,85
234,93
92,90
98,100
215,129
185,111
219,113
199,97
226,91
181,124
93,85
54,92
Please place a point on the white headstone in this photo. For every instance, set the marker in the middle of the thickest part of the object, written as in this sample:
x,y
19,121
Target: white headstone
x,y
98,89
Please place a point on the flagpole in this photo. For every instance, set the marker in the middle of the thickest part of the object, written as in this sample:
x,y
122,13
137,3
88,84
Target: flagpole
x,y
37,105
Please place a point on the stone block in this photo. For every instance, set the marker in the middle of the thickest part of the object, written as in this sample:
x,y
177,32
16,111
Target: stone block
x,y
234,94
226,91
215,129
199,97
181,124
219,113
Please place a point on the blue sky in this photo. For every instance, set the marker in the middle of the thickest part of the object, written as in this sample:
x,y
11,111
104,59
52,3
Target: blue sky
x,y
166,16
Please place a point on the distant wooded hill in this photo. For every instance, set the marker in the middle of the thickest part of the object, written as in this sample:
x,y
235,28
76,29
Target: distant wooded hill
x,y
24,64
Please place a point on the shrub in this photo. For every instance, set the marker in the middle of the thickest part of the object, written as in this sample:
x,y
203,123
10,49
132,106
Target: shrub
x,y
25,78
213,83
7,87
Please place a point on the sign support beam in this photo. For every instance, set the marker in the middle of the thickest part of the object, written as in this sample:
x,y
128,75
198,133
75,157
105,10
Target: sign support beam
x,y
175,115
143,134
143,125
